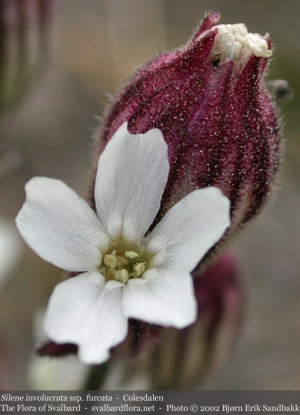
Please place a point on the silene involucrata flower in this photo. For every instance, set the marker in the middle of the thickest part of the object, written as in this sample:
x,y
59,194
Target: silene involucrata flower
x,y
126,270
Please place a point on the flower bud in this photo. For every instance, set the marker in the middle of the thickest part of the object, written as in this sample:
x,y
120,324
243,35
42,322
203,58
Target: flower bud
x,y
24,38
202,349
209,100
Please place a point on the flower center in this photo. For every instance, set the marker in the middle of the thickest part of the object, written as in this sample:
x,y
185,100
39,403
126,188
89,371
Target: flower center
x,y
122,265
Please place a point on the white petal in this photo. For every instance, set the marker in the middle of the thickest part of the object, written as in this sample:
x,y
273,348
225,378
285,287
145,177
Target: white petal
x,y
60,226
234,42
82,310
132,174
258,45
192,227
163,297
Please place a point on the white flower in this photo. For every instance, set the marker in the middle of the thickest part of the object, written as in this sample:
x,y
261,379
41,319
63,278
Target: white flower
x,y
125,273
235,43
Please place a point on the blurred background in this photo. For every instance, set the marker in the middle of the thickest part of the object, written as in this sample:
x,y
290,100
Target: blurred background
x,y
92,47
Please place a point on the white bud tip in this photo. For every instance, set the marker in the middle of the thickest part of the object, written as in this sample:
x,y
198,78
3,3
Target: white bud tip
x,y
235,43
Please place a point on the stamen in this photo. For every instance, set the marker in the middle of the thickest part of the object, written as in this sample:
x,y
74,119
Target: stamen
x,y
122,276
139,268
131,254
121,266
110,260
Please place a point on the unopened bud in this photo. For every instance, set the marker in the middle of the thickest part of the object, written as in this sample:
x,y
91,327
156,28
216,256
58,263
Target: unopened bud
x,y
209,100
